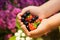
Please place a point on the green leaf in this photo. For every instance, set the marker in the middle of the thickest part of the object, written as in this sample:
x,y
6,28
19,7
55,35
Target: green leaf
x,y
35,24
13,38
38,23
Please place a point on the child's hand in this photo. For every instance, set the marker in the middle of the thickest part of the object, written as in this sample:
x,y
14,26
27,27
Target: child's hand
x,y
46,26
33,10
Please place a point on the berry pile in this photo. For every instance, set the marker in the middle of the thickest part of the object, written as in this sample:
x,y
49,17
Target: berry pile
x,y
31,21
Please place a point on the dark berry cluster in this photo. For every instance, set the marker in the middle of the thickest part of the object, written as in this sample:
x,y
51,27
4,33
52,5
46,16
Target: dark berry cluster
x,y
31,21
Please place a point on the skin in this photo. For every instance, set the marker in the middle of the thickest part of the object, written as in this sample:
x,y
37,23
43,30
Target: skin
x,y
43,11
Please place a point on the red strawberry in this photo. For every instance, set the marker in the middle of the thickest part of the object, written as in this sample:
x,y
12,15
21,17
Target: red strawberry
x,y
37,20
40,19
31,27
29,17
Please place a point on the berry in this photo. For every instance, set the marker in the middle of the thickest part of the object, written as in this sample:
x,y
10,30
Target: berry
x,y
22,19
32,20
31,27
29,17
36,17
28,28
38,20
25,22
26,14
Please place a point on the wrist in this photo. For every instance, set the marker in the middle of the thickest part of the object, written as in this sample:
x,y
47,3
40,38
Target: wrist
x,y
46,26
49,8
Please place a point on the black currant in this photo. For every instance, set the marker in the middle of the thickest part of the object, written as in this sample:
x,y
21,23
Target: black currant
x,y
32,20
26,14
22,19
36,17
28,28
25,22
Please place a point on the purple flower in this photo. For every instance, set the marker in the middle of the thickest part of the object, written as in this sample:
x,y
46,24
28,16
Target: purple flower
x,y
2,24
9,6
8,18
11,24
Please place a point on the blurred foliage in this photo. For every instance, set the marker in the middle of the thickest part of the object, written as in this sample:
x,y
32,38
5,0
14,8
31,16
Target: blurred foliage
x,y
13,38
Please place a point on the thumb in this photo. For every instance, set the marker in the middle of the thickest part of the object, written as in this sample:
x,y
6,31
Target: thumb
x,y
25,10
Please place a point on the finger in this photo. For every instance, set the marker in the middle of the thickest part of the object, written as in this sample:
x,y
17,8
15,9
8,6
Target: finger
x,y
35,34
25,10
19,16
38,34
25,30
21,23
23,27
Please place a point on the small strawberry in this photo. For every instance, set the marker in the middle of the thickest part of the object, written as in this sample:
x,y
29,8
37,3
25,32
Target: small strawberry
x,y
38,20
31,27
29,17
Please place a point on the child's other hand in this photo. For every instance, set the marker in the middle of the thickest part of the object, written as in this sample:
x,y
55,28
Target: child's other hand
x,y
33,10
45,26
